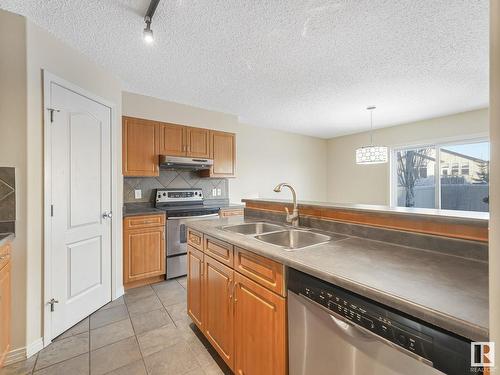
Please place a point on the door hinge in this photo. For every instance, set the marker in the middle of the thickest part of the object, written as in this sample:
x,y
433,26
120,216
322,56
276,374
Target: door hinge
x,y
52,302
52,110
51,210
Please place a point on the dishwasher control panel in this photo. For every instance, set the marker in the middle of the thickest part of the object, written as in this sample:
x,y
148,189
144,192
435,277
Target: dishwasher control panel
x,y
369,317
443,350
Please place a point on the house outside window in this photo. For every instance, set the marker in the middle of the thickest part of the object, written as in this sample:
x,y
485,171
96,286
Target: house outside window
x,y
465,169
422,176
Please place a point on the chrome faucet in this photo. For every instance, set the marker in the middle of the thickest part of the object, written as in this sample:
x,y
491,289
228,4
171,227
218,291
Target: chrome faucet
x,y
292,218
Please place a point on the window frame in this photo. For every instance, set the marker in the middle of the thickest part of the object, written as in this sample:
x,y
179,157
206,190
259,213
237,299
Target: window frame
x,y
393,178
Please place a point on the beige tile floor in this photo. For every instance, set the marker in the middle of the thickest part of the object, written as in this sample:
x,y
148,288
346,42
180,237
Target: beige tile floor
x,y
146,332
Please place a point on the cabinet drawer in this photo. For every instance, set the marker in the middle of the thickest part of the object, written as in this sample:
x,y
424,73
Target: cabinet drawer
x,y
4,255
264,271
195,239
144,221
219,250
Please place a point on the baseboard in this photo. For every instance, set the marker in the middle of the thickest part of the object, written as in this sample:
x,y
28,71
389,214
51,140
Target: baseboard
x,y
120,291
34,347
20,354
15,355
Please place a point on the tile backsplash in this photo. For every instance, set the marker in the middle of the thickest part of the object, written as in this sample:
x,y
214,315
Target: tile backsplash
x,y
172,179
7,199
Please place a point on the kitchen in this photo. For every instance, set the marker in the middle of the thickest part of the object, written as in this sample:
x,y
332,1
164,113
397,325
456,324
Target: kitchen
x,y
209,213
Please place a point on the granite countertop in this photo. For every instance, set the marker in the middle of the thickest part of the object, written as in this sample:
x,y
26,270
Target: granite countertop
x,y
6,238
448,291
480,218
135,209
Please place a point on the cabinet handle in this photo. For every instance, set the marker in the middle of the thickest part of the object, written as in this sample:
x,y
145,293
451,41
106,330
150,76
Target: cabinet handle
x,y
2,257
230,290
234,287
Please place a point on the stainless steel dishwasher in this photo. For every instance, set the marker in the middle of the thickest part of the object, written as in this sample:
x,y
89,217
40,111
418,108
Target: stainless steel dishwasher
x,y
333,331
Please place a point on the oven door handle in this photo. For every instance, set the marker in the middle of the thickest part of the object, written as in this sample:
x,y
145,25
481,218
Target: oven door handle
x,y
191,217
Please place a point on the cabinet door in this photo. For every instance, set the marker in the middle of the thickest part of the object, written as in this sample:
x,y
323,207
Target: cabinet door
x,y
198,142
172,140
223,151
259,329
144,253
140,147
218,307
4,312
195,286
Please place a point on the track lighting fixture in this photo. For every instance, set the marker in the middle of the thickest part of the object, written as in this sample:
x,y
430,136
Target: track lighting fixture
x,y
147,34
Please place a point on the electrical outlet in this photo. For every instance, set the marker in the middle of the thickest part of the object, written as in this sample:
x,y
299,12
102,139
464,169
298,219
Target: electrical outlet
x,y
138,193
219,192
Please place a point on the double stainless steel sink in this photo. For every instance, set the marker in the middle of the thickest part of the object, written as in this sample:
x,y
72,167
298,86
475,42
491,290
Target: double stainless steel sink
x,y
284,237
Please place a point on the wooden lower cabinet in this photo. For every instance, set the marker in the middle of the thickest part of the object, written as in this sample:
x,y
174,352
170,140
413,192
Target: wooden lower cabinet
x,y
4,311
218,308
243,319
195,286
143,254
259,329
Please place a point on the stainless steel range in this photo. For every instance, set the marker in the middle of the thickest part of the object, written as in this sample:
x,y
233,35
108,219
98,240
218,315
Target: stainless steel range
x,y
181,206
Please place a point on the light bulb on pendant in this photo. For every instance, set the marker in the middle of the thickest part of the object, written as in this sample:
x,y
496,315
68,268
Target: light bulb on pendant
x,y
371,154
148,33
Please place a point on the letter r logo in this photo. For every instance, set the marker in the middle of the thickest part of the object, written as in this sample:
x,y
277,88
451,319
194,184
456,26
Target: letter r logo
x,y
482,354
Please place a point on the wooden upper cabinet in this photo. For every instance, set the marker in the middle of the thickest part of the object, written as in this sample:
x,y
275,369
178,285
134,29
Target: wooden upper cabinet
x,y
198,142
140,147
195,285
218,308
172,139
145,140
223,151
259,329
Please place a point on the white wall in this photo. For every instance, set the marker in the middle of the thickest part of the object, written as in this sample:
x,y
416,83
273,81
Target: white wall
x,y
369,184
13,152
494,248
264,157
31,49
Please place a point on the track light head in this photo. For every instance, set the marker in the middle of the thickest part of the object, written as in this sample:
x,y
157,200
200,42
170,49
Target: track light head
x,y
147,34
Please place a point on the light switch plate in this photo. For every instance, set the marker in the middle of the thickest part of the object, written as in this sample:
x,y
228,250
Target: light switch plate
x,y
219,192
138,193
214,192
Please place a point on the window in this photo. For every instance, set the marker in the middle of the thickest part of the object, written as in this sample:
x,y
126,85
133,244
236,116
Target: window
x,y
465,169
451,176
415,190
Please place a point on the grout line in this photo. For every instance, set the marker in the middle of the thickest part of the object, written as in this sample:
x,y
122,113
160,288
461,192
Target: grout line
x,y
34,365
165,307
90,363
135,335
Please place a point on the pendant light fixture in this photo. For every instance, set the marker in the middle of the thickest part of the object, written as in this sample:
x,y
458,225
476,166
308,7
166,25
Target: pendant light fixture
x,y
371,154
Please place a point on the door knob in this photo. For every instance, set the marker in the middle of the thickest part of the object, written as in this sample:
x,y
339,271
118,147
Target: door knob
x,y
107,215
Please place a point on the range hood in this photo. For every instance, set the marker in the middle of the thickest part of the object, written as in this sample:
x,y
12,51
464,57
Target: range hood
x,y
177,162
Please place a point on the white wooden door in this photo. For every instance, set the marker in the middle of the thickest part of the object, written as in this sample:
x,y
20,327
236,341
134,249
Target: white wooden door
x,y
80,254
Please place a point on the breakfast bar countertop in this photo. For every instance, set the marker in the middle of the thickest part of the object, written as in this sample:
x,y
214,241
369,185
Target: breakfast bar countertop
x,y
448,291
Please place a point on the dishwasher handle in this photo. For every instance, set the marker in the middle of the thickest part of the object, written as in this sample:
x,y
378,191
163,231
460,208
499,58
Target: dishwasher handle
x,y
352,330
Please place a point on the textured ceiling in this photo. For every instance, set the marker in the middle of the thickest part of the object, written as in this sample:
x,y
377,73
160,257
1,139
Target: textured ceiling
x,y
309,67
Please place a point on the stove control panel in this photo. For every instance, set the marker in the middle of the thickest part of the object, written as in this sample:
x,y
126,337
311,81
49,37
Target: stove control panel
x,y
179,195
